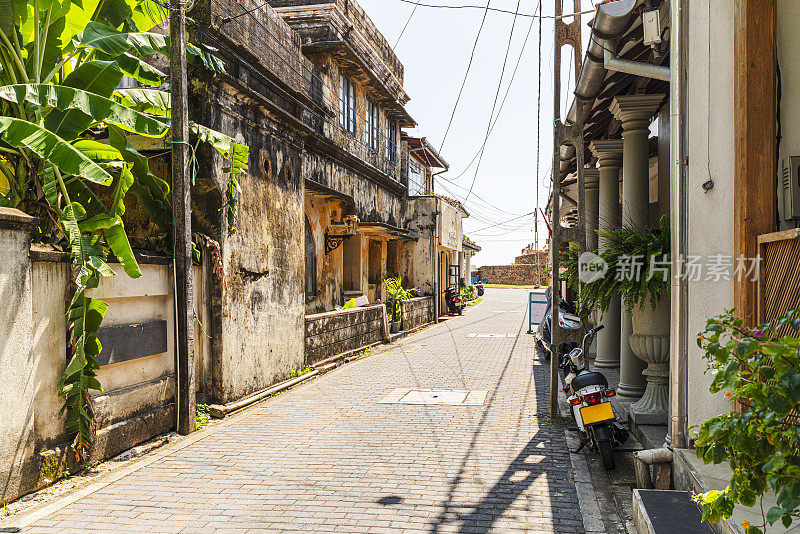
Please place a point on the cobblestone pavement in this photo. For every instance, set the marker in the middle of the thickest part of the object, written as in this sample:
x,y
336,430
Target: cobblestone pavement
x,y
329,457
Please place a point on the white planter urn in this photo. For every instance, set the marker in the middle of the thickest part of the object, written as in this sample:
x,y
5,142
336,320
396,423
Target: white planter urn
x,y
650,343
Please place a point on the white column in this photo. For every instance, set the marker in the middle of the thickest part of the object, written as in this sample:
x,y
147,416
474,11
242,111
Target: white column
x,y
609,156
635,112
591,177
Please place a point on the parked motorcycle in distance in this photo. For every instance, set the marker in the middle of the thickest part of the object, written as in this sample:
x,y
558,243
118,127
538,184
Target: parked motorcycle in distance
x,y
589,398
452,297
479,288
567,318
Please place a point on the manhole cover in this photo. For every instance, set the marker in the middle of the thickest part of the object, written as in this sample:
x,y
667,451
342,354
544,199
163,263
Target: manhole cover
x,y
435,396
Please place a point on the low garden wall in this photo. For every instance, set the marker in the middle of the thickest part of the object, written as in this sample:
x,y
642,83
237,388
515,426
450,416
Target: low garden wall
x,y
335,332
417,312
137,369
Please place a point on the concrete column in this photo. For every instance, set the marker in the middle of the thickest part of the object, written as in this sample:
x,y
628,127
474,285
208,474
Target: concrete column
x,y
635,112
609,156
591,177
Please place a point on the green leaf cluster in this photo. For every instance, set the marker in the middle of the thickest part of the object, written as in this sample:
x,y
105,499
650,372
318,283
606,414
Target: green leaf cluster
x,y
645,284
759,368
396,294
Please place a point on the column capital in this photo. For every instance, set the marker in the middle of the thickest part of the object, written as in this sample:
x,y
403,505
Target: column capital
x,y
607,151
635,111
591,178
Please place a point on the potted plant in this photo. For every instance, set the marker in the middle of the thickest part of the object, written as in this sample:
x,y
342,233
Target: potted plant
x,y
637,267
396,294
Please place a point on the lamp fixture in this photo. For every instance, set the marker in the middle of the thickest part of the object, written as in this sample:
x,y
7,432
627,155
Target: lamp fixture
x,y
334,241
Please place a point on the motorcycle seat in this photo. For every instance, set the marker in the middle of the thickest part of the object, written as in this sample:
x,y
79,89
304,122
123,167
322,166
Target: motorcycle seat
x,y
589,379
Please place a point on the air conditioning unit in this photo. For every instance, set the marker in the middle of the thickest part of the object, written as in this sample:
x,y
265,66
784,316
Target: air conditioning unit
x,y
789,191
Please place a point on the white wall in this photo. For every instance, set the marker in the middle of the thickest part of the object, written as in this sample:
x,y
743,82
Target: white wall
x,y
711,154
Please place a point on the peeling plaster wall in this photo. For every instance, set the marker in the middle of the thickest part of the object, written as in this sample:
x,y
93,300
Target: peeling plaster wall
x,y
257,317
416,259
320,212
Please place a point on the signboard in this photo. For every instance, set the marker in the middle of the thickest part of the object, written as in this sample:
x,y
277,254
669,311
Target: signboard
x,y
451,234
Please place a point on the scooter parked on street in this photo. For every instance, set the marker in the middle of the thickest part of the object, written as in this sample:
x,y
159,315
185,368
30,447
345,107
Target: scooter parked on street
x,y
479,288
452,297
567,319
589,398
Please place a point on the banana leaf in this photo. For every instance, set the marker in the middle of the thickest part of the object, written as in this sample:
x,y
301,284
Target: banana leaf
x,y
48,146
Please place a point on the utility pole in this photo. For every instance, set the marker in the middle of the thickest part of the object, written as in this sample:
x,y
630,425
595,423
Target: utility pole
x,y
182,221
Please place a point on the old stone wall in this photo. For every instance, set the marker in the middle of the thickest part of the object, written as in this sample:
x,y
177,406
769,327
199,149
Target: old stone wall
x,y
331,333
536,258
257,312
417,312
517,274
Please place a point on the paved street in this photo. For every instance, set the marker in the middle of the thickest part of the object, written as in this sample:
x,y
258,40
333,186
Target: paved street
x,y
329,456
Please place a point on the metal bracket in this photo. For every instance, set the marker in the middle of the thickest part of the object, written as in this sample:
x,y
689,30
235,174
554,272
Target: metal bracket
x,y
334,241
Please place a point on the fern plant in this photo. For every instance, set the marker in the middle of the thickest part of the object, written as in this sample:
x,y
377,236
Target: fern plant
x,y
638,268
396,294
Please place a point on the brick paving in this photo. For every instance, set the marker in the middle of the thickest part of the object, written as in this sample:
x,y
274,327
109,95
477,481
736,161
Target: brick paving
x,y
328,457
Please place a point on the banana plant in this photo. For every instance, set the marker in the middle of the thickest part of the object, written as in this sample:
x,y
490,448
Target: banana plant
x,y
64,136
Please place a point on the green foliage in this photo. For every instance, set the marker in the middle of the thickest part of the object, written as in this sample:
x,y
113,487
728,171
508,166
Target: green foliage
x,y
468,293
63,135
760,369
396,294
202,415
638,269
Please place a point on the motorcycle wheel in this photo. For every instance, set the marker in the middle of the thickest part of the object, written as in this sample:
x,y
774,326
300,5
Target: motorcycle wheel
x,y
460,310
606,449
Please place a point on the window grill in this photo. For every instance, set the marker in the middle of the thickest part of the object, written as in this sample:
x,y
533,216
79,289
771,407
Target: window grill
x,y
373,128
347,104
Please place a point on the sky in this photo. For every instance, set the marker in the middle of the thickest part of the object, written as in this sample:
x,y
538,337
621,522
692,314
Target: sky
x,y
435,50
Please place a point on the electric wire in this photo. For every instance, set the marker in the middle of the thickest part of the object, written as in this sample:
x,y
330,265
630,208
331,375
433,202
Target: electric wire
x,y
414,10
534,15
466,74
502,104
494,103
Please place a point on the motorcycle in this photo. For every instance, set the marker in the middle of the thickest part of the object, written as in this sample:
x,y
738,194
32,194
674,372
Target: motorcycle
x,y
589,398
567,319
452,297
479,288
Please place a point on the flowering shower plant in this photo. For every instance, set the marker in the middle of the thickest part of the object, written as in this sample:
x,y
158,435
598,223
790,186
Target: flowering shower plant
x,y
759,368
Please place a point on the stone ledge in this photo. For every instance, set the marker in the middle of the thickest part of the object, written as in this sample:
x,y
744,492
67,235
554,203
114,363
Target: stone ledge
x,y
14,219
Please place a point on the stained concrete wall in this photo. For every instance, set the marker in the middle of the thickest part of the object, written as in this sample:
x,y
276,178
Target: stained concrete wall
x,y
137,401
417,257
257,314
517,274
711,155
332,333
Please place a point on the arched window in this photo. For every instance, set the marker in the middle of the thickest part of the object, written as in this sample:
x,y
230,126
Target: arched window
x,y
311,262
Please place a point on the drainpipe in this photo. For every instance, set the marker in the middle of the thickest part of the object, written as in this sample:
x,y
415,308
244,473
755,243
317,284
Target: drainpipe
x,y
646,70
435,254
679,289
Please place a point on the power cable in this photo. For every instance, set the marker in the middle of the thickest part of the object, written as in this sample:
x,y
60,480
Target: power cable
x,y
494,103
405,26
540,16
538,133
503,222
502,105
466,74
